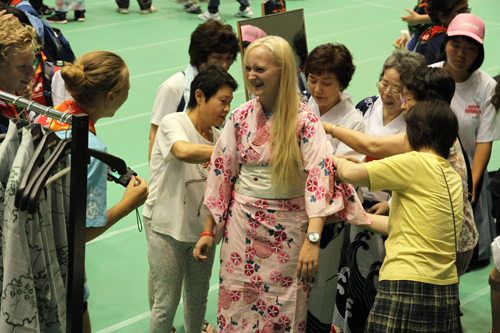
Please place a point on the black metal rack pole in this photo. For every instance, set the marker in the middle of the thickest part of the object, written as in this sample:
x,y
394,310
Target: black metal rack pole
x,y
78,221
78,205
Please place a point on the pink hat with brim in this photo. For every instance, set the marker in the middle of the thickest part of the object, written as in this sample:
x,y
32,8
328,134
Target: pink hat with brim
x,y
467,25
250,33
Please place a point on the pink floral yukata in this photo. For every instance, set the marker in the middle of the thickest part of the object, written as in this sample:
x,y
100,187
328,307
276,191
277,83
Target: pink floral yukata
x,y
262,238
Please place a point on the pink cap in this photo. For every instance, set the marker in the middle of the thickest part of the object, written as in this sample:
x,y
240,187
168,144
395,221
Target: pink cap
x,y
467,25
250,33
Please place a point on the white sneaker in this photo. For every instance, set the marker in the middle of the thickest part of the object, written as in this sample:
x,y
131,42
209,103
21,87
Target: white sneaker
x,y
209,16
245,13
150,10
193,9
122,10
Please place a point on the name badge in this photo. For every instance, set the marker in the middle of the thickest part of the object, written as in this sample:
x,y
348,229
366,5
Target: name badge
x,y
474,109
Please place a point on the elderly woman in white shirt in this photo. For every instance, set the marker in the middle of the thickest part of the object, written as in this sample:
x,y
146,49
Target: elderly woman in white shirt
x,y
172,213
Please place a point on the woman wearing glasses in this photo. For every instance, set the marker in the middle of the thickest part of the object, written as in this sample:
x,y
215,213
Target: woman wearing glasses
x,y
462,55
383,116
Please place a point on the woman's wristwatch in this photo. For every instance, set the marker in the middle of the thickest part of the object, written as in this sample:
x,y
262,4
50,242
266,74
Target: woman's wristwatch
x,y
313,237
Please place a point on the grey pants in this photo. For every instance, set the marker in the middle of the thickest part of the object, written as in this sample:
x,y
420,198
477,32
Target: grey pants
x,y
174,268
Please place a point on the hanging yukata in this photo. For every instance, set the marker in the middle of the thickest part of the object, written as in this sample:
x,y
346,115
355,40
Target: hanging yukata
x,y
33,293
8,150
263,230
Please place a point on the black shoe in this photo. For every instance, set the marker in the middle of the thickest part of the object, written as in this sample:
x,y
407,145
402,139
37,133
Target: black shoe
x,y
46,10
79,16
56,19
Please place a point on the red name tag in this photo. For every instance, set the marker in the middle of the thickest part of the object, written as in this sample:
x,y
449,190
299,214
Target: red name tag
x,y
473,109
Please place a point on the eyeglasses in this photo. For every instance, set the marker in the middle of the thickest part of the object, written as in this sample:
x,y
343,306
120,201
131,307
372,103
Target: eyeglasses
x,y
465,10
385,87
405,99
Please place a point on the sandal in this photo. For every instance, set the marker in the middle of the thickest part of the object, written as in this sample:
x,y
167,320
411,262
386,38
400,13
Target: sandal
x,y
174,330
207,328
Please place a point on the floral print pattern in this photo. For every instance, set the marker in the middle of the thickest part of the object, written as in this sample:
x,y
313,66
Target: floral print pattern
x,y
262,238
468,236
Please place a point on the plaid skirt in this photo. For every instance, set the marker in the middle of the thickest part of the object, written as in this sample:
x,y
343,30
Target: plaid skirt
x,y
409,306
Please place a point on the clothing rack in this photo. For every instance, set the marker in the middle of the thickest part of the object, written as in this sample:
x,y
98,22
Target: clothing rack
x,y
78,204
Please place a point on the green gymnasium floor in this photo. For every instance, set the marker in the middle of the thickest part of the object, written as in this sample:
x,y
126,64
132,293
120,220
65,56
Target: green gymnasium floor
x,y
155,47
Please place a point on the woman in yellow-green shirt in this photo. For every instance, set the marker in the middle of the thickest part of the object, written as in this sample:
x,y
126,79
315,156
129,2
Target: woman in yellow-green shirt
x,y
418,286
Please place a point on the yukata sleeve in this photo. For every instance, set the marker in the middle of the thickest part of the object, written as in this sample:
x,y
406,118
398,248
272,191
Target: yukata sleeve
x,y
222,174
324,196
343,149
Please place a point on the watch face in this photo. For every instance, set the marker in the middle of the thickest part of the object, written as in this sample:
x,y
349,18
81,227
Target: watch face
x,y
313,237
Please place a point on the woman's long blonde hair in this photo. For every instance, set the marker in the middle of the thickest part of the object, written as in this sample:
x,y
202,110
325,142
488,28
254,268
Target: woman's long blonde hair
x,y
286,157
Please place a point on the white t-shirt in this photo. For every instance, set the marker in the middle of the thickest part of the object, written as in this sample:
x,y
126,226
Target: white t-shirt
x,y
477,119
58,90
496,252
176,188
168,96
374,121
343,114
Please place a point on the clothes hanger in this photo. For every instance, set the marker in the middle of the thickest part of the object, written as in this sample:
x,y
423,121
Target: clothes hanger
x,y
35,172
29,197
36,131
31,194
47,141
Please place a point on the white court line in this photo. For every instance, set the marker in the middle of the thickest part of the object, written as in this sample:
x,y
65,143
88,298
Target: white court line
x,y
490,69
371,59
141,316
98,3
354,30
148,45
159,16
122,119
186,38
111,234
158,72
401,9
491,30
139,166
333,10
156,16
239,91
141,115
490,22
474,296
